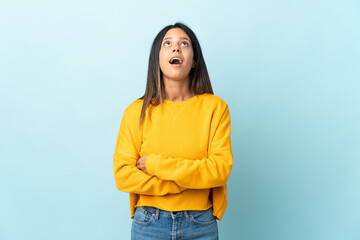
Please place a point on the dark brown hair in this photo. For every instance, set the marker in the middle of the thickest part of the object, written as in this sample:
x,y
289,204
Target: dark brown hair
x,y
155,89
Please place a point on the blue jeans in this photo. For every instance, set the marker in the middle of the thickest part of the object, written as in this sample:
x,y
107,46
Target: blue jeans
x,y
154,223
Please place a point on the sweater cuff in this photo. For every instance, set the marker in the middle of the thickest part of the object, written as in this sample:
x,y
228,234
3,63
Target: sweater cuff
x,y
152,163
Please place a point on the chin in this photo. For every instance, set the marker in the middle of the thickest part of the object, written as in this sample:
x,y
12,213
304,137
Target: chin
x,y
177,77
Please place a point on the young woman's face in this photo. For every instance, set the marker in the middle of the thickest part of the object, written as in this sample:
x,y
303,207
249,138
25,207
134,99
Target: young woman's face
x,y
176,43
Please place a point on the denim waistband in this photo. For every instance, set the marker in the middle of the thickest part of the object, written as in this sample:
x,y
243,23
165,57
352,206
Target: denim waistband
x,y
173,214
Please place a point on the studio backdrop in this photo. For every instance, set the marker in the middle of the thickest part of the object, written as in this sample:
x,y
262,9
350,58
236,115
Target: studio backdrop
x,y
289,71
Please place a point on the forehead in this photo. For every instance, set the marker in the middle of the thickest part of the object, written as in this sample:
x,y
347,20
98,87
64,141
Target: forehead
x,y
176,33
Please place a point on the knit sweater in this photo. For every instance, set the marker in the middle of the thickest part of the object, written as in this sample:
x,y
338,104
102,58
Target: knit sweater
x,y
189,155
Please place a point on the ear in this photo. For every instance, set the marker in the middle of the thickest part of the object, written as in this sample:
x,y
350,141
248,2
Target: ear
x,y
194,64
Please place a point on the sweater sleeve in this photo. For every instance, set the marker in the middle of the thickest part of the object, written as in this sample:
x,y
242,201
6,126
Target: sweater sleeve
x,y
128,178
209,172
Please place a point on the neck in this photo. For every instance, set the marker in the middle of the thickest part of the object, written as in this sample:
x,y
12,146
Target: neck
x,y
177,91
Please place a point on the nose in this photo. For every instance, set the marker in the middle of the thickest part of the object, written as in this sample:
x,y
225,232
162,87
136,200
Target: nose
x,y
176,49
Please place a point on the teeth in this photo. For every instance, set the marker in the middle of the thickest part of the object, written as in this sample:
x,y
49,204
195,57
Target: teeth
x,y
172,60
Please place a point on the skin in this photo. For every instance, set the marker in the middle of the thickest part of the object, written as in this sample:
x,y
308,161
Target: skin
x,y
176,78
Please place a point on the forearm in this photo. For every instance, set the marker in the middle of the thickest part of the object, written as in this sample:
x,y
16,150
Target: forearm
x,y
130,179
188,173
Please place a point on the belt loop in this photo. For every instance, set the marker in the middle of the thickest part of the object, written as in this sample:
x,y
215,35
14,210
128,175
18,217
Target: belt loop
x,y
157,214
186,215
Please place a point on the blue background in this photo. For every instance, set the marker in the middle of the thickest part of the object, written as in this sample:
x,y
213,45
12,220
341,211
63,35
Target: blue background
x,y
289,71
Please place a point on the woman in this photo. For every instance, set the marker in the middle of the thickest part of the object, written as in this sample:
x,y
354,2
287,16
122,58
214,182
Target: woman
x,y
173,151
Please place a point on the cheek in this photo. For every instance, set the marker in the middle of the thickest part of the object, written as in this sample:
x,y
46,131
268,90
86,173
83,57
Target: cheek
x,y
190,60
190,57
162,58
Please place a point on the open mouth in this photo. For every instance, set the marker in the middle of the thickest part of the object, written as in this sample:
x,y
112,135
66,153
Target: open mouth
x,y
175,61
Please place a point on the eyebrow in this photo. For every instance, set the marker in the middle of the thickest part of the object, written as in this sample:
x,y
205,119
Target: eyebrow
x,y
180,38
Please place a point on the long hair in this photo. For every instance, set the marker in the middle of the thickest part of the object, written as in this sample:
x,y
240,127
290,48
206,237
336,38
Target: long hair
x,y
155,89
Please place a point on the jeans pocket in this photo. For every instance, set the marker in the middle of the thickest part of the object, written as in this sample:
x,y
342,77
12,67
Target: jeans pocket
x,y
203,217
143,217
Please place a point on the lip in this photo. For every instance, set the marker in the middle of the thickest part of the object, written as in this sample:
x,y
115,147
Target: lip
x,y
177,56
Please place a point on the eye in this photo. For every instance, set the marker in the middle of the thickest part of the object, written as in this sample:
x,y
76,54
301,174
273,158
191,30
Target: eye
x,y
166,43
186,44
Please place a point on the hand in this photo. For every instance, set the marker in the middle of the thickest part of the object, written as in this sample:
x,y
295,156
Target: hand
x,y
141,164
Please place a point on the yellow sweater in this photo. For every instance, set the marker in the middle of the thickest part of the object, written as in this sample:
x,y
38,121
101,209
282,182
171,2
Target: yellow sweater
x,y
189,155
